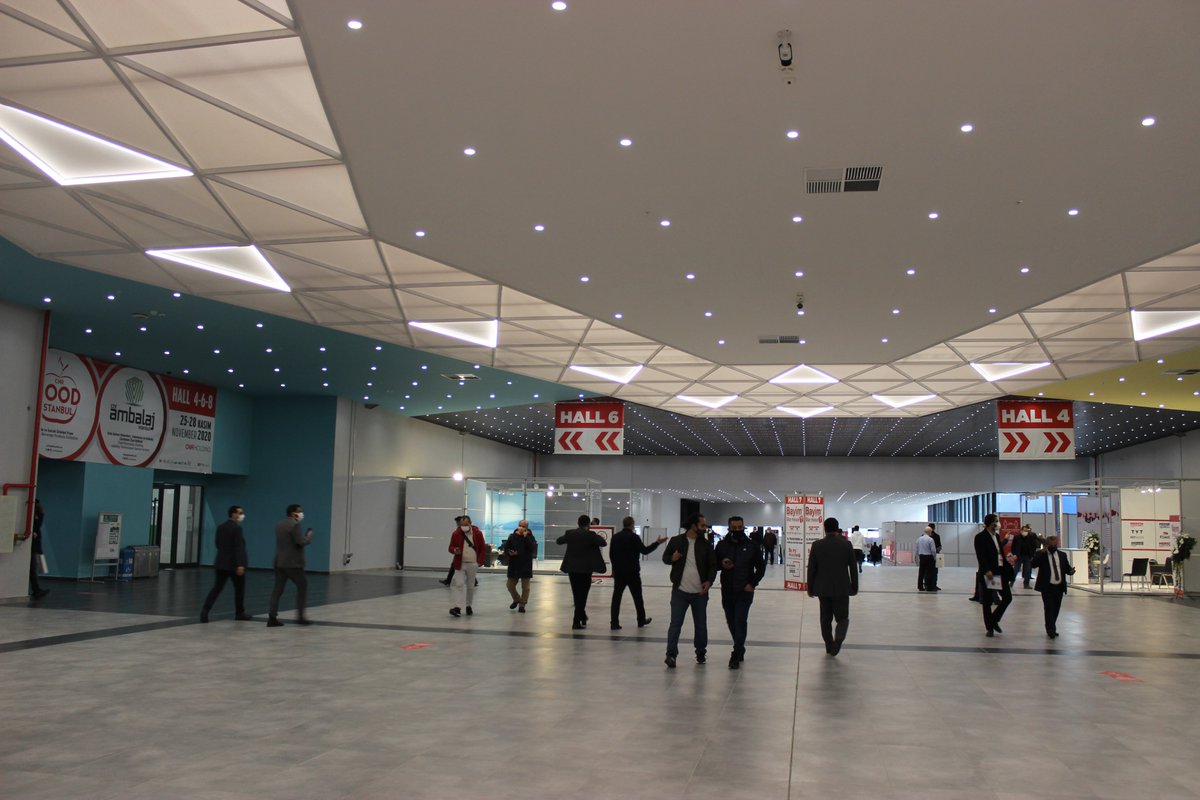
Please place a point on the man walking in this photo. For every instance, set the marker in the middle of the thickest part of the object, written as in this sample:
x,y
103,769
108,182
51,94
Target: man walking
x,y
770,542
1053,567
856,541
230,565
833,580
626,552
1024,548
994,574
693,570
937,542
742,567
926,563
521,549
289,564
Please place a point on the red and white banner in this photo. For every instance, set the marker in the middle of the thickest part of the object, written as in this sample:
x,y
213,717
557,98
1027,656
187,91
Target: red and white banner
x,y
589,428
1029,429
803,524
96,411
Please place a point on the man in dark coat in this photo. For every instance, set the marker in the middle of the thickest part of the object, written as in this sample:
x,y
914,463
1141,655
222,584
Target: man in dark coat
x,y
289,564
626,554
36,551
742,568
1053,567
989,554
521,549
582,558
230,565
770,543
833,580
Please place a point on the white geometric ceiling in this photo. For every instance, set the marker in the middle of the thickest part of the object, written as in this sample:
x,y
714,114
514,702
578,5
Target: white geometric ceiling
x,y
226,89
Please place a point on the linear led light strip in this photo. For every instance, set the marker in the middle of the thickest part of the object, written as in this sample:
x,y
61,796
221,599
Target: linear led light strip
x,y
485,333
71,157
803,374
1002,370
1148,324
804,413
246,263
707,402
615,374
902,401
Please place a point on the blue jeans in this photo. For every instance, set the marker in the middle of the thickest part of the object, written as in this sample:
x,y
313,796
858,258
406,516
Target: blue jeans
x,y
737,601
680,603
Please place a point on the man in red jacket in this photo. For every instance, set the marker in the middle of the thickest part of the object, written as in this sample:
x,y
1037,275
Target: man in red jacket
x,y
469,549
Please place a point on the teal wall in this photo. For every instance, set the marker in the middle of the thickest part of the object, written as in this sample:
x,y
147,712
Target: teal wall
x,y
279,451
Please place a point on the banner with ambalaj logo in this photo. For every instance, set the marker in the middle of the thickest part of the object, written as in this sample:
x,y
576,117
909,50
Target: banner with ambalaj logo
x,y
92,410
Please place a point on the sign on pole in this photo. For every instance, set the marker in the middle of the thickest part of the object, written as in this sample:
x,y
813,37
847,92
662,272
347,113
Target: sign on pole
x,y
589,428
803,524
1029,429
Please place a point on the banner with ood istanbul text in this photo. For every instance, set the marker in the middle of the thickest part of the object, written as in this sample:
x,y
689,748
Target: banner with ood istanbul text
x,y
92,410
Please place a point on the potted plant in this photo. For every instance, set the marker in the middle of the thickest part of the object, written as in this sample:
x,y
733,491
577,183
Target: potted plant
x,y
1091,543
1183,551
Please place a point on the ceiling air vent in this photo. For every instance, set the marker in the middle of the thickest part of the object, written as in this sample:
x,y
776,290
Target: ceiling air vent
x,y
1181,372
847,179
783,339
466,376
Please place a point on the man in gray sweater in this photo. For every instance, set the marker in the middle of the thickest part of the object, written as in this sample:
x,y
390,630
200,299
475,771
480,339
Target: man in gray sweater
x,y
289,564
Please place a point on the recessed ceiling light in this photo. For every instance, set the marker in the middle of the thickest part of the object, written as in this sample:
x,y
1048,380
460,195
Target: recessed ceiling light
x,y
720,341
708,313
71,157
1148,122
46,299
200,327
176,294
1120,380
966,127
1024,270
1041,394
378,347
1143,394
245,263
111,297
322,349
884,340
626,143
241,386
895,311
690,276
118,355
797,218
666,223
420,234
1159,361
799,273
933,215
910,271
354,24
799,312
584,279
539,228
230,370
1074,212
618,315
991,311
793,134
468,151
557,5
87,330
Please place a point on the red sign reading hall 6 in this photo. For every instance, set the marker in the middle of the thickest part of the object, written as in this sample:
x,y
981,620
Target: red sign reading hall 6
x,y
592,428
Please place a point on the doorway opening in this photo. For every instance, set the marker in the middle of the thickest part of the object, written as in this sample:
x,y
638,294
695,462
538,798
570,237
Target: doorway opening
x,y
176,516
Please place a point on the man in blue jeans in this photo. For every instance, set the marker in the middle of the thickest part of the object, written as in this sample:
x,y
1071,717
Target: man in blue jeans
x,y
693,570
742,567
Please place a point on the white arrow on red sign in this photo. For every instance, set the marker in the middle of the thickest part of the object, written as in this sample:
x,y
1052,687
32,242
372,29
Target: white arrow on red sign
x,y
1014,439
1057,442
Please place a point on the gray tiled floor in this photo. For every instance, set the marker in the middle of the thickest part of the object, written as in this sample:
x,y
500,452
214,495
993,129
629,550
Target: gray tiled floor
x,y
918,705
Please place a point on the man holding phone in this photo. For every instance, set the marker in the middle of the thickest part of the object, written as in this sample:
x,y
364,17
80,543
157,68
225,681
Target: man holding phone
x,y
742,568
289,564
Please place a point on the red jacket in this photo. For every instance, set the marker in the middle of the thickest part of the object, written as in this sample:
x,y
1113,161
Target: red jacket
x,y
457,539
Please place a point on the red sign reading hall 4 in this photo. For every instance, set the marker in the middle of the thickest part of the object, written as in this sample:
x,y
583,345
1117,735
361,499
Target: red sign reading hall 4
x,y
1035,430
589,428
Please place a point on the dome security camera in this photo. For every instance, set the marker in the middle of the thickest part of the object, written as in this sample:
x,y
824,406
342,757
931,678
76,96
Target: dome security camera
x,y
799,302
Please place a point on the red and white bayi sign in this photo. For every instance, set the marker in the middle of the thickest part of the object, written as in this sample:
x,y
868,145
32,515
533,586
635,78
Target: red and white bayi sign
x,y
1029,429
96,411
589,428
803,524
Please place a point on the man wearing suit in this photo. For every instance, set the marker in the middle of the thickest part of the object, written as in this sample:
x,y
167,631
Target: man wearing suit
x,y
626,554
582,558
693,570
1053,567
289,564
833,580
990,557
230,564
937,543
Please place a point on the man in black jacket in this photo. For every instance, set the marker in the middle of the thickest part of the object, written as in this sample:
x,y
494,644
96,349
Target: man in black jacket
x,y
521,549
581,559
626,553
742,567
770,543
1053,567
1025,546
693,570
230,564
989,554
833,580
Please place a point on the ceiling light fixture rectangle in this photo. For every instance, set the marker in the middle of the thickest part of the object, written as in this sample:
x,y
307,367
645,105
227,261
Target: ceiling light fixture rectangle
x,y
707,402
485,333
71,157
615,374
245,263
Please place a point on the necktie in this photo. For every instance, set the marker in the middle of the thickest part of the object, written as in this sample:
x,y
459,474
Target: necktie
x,y
1054,576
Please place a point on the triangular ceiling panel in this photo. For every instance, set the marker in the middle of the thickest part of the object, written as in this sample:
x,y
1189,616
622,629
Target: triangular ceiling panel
x,y
270,79
921,370
302,274
1125,351
554,354
728,374
1013,328
331,314
664,387
1147,286
881,373
170,20
963,373
1105,294
43,240
381,301
88,96
324,190
484,299
417,307
185,199
670,355
1048,324
974,351
214,137
511,357
1066,349
134,266
942,387
684,371
10,178
877,386
1081,369
21,40
542,373
266,220
937,353
151,231
1187,301
411,269
57,204
511,335
1027,354
1117,327
602,333
631,352
356,256
515,304
50,12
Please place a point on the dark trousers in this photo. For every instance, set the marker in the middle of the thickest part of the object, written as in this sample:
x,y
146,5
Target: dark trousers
x,y
239,591
680,603
834,608
296,576
860,557
1051,603
926,573
991,618
737,601
34,588
770,555
1024,568
581,584
634,581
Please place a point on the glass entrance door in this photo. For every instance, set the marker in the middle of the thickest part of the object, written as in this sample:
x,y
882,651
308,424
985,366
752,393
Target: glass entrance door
x,y
176,517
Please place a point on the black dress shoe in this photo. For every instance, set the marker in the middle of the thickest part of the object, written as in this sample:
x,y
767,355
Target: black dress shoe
x,y
645,622
576,626
469,611
996,628
40,593
521,609
734,662
204,616
513,605
989,634
701,658
444,583
274,623
456,612
614,626
670,662
243,618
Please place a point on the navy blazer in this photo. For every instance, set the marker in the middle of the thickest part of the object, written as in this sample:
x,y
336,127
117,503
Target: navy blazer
x,y
231,547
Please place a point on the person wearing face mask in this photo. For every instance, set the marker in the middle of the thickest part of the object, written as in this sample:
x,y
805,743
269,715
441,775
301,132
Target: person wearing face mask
x,y
521,549
1053,567
230,565
469,549
1025,547
289,564
989,553
742,567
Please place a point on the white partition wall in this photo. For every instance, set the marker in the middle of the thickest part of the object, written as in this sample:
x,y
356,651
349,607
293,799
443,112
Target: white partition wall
x,y
431,504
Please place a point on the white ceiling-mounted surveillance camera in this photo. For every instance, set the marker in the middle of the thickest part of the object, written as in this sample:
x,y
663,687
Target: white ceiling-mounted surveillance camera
x,y
799,302
785,57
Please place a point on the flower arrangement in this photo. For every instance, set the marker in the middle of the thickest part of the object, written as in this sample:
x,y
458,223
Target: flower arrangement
x,y
1091,543
1183,548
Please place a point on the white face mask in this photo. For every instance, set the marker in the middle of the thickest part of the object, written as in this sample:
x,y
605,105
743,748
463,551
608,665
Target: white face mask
x,y
299,516
239,517
465,528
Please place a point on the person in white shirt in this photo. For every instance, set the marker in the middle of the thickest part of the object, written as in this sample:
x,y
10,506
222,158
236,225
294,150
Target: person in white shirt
x,y
1053,567
856,541
926,563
